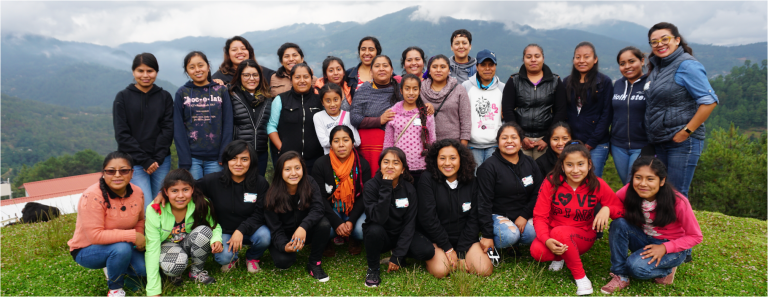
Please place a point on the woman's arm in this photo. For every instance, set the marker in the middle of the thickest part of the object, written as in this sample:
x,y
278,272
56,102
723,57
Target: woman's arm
x,y
687,219
320,129
508,97
606,113
228,121
274,119
486,188
409,228
541,211
152,254
180,137
465,115
427,214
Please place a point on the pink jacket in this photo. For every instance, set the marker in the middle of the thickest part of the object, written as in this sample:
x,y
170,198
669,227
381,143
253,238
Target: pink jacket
x,y
682,234
410,142
96,224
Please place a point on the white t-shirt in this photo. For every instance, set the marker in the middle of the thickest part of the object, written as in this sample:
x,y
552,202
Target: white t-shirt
x,y
486,112
325,123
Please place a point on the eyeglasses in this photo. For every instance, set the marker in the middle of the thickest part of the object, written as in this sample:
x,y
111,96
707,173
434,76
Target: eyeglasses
x,y
248,76
663,41
113,171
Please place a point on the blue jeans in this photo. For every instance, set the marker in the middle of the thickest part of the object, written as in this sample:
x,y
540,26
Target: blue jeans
x,y
681,159
263,163
259,242
119,258
357,230
506,233
624,236
623,159
482,154
599,156
200,168
150,184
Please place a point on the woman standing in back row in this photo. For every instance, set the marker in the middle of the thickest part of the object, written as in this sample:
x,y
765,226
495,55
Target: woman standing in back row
x,y
143,119
236,50
628,135
679,99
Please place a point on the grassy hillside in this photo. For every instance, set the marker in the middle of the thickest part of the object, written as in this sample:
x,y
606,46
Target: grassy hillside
x,y
730,261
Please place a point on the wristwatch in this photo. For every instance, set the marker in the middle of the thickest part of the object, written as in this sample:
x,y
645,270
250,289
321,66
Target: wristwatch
x,y
688,130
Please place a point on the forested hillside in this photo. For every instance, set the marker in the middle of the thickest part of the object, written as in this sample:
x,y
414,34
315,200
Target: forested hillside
x,y
742,95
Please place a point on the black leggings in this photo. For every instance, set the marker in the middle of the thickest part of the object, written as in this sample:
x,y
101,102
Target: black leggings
x,y
377,241
317,236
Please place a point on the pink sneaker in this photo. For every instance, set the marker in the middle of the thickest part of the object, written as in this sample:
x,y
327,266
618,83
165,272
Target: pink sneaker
x,y
338,240
667,280
230,266
253,266
616,284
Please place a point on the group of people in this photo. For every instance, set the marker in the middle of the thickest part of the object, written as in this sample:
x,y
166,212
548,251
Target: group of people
x,y
444,163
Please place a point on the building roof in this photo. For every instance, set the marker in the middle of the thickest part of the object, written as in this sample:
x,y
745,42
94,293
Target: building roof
x,y
61,186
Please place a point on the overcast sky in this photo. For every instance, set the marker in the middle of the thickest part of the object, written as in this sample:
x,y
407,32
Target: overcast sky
x,y
113,23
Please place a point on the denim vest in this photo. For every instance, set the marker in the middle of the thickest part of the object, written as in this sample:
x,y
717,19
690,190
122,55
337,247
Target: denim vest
x,y
669,106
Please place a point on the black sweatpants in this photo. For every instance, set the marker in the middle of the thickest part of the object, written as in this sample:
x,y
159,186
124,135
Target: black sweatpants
x,y
317,237
377,242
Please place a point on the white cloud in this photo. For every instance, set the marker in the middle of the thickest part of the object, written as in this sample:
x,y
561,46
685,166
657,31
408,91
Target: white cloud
x,y
113,23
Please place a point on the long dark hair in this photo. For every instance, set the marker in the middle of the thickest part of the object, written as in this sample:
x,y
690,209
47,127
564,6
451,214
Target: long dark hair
x,y
405,53
203,207
357,168
675,32
400,155
326,63
237,77
226,66
433,59
111,156
376,44
557,177
635,51
146,59
396,96
282,72
198,54
422,111
230,152
572,85
554,126
665,198
466,160
278,199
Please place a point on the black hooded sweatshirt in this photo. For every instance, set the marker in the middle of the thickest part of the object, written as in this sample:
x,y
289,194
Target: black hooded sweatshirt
x,y
143,124
448,216
282,225
235,206
506,189
381,209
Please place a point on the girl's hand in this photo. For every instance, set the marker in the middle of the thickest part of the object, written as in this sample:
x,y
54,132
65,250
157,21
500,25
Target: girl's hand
x,y
159,199
452,258
520,223
486,244
298,238
430,109
344,229
540,145
236,241
217,247
387,116
654,251
386,176
151,168
680,136
392,267
219,81
141,241
556,247
601,219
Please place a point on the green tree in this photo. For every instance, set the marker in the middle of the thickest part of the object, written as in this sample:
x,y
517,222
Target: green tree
x,y
83,162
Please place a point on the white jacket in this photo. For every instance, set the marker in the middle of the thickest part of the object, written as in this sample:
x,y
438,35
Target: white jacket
x,y
486,111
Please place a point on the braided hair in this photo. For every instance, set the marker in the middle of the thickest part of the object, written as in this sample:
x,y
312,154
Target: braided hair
x,y
102,183
422,112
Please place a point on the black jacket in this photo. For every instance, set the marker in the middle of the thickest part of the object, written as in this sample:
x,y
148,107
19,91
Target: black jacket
x,y
534,108
143,124
232,210
296,127
352,79
502,190
443,216
282,225
546,162
591,124
227,78
380,208
250,122
323,174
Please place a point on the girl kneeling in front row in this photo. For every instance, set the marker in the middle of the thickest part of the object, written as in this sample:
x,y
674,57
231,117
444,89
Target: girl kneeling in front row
x,y
185,228
658,227
564,219
448,210
391,205
294,213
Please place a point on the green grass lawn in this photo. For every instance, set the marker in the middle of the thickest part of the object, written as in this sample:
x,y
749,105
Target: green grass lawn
x,y
730,261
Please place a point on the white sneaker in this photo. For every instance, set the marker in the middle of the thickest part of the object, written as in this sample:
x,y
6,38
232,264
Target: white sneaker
x,y
116,293
583,286
105,272
557,265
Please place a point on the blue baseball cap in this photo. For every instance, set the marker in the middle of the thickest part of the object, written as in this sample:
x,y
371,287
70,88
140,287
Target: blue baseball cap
x,y
486,54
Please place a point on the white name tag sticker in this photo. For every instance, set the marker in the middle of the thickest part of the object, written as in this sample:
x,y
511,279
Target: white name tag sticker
x,y
328,188
466,206
647,85
417,122
401,202
250,197
527,181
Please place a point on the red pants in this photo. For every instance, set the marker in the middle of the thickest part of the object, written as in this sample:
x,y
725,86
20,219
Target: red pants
x,y
579,241
371,145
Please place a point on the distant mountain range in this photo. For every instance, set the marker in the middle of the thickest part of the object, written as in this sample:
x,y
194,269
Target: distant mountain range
x,y
85,75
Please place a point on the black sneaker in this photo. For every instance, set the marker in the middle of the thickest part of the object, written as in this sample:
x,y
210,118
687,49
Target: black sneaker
x,y
514,251
688,258
317,272
372,278
202,277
